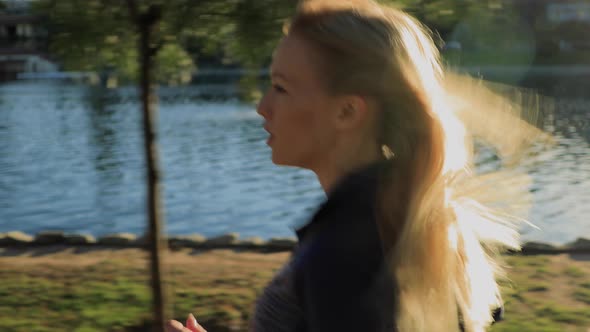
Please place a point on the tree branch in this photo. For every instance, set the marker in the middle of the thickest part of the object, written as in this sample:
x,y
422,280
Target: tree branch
x,y
133,10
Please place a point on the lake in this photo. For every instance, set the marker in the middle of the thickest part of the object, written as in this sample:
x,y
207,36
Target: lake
x,y
71,158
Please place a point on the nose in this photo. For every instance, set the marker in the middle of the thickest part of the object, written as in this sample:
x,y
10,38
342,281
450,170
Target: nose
x,y
263,108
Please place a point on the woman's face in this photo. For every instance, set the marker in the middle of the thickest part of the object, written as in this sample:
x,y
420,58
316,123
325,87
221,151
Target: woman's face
x,y
297,109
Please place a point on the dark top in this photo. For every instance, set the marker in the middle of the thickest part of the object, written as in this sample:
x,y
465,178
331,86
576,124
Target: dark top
x,y
336,279
340,276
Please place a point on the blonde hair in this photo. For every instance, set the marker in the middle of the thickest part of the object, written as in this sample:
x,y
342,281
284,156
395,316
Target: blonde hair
x,y
442,244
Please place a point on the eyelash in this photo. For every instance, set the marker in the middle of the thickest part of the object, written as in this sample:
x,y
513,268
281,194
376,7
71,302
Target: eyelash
x,y
278,88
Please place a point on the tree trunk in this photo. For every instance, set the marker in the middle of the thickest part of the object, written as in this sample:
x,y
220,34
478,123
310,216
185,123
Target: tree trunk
x,y
147,24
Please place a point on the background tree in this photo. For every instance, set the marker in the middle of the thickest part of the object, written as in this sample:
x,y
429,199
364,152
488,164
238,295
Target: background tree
x,y
97,35
148,40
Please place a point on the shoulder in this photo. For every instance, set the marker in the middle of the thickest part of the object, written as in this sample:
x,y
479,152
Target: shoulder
x,y
343,233
344,230
344,246
340,271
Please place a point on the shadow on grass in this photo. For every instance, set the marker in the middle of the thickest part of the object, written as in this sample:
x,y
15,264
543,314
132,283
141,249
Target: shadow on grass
x,y
45,250
198,252
581,257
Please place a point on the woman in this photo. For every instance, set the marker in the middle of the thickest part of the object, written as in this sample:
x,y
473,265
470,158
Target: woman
x,y
358,96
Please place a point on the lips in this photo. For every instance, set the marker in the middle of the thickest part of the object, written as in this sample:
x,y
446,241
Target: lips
x,y
270,137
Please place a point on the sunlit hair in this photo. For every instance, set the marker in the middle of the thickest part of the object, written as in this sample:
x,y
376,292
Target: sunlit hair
x,y
442,243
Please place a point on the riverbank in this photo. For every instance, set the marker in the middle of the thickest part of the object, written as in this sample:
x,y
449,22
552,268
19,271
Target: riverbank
x,y
105,288
225,241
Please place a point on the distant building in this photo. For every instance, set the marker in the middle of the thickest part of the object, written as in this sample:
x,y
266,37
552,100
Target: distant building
x,y
560,12
550,26
571,20
23,42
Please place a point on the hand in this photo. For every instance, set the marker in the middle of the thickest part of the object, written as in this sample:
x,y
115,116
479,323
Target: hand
x,y
191,325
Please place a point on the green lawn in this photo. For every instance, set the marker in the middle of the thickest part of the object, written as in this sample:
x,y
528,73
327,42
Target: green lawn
x,y
110,292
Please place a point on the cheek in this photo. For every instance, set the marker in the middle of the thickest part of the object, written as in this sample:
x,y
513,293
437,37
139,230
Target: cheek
x,y
309,118
310,126
302,131
296,130
317,119
299,126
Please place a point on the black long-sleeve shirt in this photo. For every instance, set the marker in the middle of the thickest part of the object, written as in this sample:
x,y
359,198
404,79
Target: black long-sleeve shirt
x,y
340,275
337,278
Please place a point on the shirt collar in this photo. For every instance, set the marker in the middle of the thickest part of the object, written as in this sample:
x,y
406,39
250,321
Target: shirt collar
x,y
358,188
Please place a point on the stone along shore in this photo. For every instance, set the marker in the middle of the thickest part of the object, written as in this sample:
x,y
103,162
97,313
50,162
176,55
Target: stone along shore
x,y
226,241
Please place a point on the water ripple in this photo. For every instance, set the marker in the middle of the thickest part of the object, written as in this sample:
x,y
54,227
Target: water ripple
x,y
71,158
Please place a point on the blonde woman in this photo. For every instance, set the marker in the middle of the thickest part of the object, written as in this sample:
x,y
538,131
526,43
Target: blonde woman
x,y
358,96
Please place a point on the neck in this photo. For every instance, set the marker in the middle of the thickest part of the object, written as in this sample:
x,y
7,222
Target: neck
x,y
339,164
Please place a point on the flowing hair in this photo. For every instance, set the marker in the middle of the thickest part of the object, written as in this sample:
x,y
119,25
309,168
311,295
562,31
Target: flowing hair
x,y
441,242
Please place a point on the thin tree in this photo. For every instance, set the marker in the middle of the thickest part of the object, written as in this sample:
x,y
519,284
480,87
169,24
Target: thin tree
x,y
147,24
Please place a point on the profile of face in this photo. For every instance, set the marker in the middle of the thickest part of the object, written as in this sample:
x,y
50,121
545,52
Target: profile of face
x,y
297,109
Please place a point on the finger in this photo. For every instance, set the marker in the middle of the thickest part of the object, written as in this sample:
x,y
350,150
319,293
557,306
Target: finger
x,y
174,326
191,323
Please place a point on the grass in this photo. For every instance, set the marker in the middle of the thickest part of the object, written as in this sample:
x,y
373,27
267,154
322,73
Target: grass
x,y
545,293
561,314
538,287
582,294
574,271
220,287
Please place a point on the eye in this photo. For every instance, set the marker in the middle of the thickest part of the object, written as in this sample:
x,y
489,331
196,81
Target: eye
x,y
278,88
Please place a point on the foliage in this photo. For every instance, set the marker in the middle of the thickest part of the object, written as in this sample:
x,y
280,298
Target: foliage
x,y
91,35
99,35
440,15
174,64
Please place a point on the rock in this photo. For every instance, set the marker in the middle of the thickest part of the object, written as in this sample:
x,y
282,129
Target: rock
x,y
12,238
581,244
538,246
252,242
223,240
77,239
282,243
118,239
188,241
50,237
141,241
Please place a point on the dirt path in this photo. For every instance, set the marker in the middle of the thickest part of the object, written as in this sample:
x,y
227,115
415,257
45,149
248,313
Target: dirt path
x,y
184,264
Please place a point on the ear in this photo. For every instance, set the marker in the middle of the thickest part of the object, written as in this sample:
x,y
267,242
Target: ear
x,y
351,112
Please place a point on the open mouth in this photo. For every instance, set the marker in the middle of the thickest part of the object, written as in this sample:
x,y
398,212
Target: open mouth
x,y
270,135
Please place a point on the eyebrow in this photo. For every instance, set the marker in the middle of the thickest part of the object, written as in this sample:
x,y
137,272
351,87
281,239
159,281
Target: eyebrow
x,y
279,75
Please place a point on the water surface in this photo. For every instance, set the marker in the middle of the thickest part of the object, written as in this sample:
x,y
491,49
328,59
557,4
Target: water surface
x,y
71,158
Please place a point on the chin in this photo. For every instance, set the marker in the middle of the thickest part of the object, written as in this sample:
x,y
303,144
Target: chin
x,y
286,161
280,160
